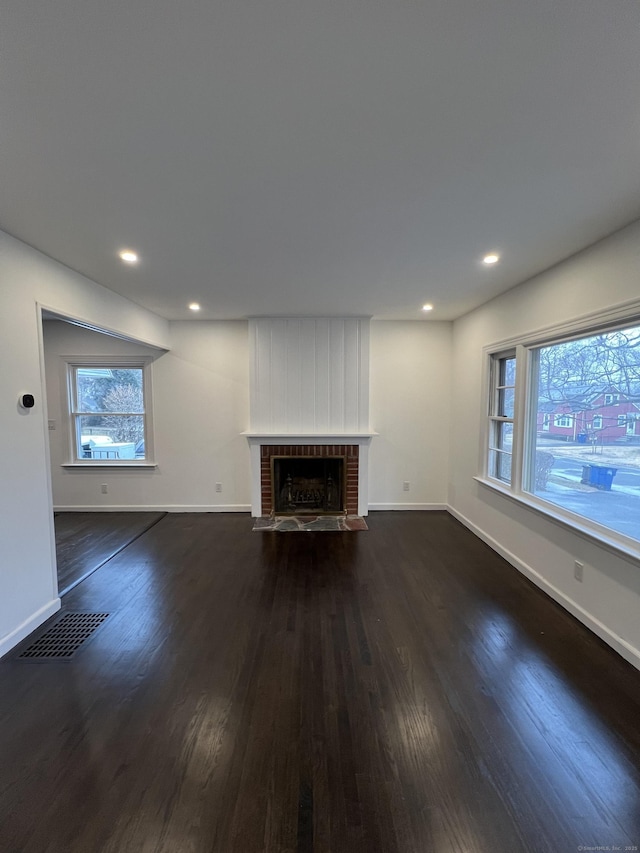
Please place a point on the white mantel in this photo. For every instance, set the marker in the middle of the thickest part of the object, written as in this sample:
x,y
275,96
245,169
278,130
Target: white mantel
x,y
362,439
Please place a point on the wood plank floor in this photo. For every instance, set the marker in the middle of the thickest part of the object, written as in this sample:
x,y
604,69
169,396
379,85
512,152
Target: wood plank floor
x,y
86,540
401,690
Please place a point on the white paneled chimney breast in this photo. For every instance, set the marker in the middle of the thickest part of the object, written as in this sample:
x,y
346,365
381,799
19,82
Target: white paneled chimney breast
x,y
309,375
309,385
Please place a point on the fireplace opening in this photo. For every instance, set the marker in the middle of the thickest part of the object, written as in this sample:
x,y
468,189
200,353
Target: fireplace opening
x,y
308,484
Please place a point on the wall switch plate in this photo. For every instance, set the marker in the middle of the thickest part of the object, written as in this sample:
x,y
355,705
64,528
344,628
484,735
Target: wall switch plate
x,y
218,487
52,425
405,486
104,489
578,570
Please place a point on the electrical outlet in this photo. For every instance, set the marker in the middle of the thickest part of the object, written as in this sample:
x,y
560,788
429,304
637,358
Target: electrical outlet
x,y
405,486
218,487
52,425
104,489
578,570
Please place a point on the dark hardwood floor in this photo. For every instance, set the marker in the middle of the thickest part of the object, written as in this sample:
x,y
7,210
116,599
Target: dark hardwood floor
x,y
401,690
86,540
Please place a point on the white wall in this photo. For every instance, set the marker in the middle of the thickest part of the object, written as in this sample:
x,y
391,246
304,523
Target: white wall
x,y
410,402
28,588
609,598
201,400
200,407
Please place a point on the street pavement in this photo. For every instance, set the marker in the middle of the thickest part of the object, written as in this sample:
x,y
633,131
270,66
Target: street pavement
x,y
618,509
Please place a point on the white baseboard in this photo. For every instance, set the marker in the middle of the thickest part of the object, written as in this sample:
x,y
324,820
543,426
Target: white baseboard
x,y
624,649
162,508
405,507
225,508
23,630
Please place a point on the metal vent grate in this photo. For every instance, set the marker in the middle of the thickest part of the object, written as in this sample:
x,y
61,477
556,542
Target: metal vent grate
x,y
63,639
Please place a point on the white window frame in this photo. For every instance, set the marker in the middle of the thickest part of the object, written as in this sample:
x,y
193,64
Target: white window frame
x,y
525,422
622,420
599,424
69,366
558,421
495,419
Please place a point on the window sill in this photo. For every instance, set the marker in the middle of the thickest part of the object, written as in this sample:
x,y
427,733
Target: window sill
x,y
94,463
618,545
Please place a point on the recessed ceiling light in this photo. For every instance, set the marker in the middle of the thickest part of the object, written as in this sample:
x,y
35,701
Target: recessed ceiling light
x,y
427,307
491,259
128,256
194,306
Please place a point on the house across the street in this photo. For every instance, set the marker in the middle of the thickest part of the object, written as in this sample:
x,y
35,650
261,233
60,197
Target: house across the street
x,y
603,416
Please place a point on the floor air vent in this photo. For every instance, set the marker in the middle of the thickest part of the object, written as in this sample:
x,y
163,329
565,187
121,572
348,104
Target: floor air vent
x,y
63,639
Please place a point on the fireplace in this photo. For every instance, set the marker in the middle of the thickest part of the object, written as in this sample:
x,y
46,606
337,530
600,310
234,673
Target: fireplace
x,y
353,448
308,485
331,470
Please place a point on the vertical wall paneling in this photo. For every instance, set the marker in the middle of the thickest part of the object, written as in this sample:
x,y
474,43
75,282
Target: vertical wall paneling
x,y
364,331
352,369
321,376
277,403
260,376
293,364
338,373
308,352
310,375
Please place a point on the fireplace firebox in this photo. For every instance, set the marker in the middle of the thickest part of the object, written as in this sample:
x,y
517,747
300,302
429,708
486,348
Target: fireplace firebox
x,y
349,453
308,485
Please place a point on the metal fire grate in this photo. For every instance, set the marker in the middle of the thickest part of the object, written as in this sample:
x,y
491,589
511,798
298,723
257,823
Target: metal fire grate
x,y
63,639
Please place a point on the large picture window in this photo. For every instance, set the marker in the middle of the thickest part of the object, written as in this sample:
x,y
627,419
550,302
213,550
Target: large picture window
x,y
108,405
579,430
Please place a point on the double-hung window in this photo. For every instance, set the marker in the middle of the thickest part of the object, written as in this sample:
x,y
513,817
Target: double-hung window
x,y
550,441
501,415
109,411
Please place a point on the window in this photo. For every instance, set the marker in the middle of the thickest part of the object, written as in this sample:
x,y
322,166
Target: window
x,y
108,410
501,416
563,421
588,477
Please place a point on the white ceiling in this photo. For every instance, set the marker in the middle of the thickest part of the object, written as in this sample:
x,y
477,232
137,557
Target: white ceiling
x,y
317,156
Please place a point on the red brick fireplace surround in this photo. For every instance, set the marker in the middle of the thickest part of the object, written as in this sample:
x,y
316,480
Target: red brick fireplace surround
x,y
351,452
